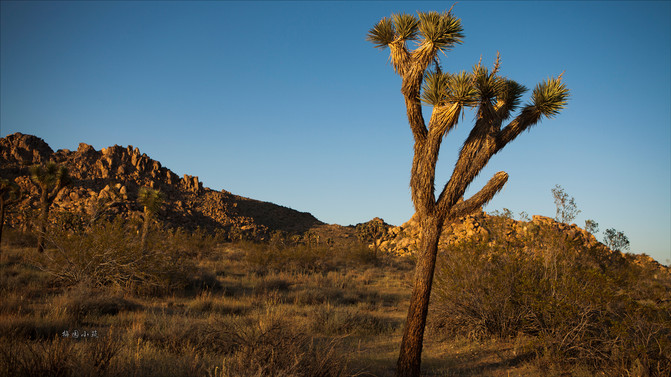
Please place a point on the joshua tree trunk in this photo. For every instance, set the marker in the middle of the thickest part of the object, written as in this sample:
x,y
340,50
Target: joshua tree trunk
x,y
411,345
151,200
44,219
145,229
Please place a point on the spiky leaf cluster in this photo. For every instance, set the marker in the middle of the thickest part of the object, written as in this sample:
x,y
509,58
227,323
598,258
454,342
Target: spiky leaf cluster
x,y
509,96
150,199
382,34
488,85
443,30
550,97
405,26
9,190
440,89
471,89
50,175
399,27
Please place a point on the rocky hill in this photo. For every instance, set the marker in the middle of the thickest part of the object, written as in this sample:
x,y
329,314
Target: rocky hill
x,y
507,232
106,182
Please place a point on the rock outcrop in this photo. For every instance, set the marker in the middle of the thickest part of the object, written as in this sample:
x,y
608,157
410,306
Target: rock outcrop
x,y
503,231
106,182
481,227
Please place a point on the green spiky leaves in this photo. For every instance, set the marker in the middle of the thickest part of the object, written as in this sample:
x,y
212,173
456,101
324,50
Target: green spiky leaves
x,y
434,91
399,27
487,84
9,190
550,97
382,34
509,96
150,199
442,30
50,175
479,87
444,88
405,26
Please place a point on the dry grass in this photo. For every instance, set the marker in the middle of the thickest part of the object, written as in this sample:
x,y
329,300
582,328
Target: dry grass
x,y
331,312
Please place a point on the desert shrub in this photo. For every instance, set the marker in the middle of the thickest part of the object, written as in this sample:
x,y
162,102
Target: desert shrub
x,y
16,238
198,243
273,282
358,254
58,357
330,320
314,295
32,327
264,258
268,346
305,256
205,302
18,275
80,301
478,291
580,305
178,335
110,254
105,356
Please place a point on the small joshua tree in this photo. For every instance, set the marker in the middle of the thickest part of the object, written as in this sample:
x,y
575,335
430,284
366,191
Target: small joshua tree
x,y
151,201
50,180
495,99
10,193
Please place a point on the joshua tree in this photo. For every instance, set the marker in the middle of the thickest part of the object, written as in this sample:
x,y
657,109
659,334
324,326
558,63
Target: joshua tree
x,y
10,193
50,179
151,200
494,97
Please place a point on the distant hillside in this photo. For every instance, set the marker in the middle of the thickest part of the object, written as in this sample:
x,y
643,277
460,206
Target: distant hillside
x,y
114,175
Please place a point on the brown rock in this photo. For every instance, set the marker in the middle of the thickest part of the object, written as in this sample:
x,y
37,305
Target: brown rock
x,y
85,148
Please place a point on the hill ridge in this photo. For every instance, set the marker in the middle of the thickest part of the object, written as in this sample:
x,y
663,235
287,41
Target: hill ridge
x,y
117,171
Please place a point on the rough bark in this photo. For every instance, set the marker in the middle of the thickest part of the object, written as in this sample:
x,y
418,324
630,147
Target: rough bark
x,y
145,229
409,360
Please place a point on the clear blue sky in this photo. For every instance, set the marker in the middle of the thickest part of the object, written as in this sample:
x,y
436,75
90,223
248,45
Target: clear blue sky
x,y
287,102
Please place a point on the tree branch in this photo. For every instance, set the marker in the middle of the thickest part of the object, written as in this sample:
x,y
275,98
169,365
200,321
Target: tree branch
x,y
527,118
400,57
474,155
422,177
478,200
